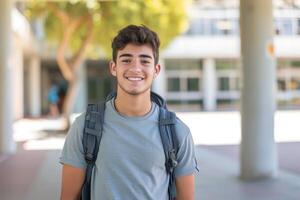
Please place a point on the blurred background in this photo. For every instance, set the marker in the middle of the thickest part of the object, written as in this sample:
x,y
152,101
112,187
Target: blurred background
x,y
230,69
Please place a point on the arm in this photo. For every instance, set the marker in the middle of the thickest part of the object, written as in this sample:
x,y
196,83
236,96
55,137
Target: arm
x,y
185,187
72,181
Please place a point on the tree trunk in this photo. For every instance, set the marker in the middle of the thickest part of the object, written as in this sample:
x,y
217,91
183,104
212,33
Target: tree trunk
x,y
69,101
69,68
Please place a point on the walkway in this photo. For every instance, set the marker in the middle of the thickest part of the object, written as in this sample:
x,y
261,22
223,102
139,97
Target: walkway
x,y
34,173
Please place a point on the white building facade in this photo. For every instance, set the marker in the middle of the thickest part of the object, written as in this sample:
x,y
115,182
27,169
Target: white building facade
x,y
203,66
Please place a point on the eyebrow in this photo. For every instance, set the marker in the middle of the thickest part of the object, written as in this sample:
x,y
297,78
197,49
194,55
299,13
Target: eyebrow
x,y
130,55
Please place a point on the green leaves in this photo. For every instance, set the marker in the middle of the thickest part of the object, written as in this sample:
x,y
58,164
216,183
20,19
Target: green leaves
x,y
166,17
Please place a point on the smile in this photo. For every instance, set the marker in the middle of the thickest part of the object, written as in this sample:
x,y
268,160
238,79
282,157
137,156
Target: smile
x,y
135,78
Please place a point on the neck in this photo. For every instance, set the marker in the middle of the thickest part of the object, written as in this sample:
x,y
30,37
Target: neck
x,y
133,105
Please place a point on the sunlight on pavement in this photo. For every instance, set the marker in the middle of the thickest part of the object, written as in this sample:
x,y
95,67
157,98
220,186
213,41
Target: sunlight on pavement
x,y
207,128
47,144
219,128
26,129
287,126
39,134
212,128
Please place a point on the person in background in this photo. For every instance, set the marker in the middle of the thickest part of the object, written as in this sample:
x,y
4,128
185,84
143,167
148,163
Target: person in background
x,y
53,99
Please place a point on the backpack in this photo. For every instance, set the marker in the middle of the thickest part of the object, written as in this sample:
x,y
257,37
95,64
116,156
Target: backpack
x,y
92,134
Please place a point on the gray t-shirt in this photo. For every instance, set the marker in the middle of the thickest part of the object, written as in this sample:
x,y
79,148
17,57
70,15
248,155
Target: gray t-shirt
x,y
131,160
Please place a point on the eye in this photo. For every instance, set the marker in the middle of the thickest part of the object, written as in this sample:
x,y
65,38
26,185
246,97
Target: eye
x,y
126,61
145,62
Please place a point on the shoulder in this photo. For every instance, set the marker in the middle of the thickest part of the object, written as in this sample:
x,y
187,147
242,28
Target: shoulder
x,y
78,123
182,130
73,152
79,120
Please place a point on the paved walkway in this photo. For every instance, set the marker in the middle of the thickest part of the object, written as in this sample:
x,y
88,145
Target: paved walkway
x,y
34,173
219,180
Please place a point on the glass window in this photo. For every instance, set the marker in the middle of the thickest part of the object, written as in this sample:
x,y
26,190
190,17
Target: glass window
x,y
92,89
173,84
225,26
288,63
287,27
281,85
281,64
234,83
295,84
227,64
214,30
237,84
295,63
224,84
197,27
183,64
236,27
215,26
284,26
108,86
193,84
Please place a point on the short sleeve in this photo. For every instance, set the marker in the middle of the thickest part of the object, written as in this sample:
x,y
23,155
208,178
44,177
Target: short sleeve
x,y
72,152
187,163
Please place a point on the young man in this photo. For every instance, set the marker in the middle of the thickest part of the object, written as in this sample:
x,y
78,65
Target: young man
x,y
131,159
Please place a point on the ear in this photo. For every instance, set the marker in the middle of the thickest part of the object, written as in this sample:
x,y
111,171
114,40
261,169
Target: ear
x,y
157,70
112,68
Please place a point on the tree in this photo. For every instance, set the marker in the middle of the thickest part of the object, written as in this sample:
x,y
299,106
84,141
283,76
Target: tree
x,y
85,28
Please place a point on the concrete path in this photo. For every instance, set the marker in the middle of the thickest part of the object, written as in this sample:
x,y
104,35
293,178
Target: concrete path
x,y
34,172
217,180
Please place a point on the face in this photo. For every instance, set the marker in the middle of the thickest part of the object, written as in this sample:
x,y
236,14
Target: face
x,y
134,69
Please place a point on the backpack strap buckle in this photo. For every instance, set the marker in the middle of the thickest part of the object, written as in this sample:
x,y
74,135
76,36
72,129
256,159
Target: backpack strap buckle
x,y
89,158
171,162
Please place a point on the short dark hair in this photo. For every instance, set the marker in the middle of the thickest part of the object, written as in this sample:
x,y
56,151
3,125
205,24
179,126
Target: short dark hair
x,y
138,35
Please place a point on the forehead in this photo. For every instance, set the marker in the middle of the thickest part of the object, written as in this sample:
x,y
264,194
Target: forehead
x,y
136,50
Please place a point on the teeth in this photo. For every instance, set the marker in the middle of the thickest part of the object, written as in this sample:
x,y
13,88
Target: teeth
x,y
134,79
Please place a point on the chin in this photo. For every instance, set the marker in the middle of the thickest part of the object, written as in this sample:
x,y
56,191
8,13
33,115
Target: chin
x,y
134,92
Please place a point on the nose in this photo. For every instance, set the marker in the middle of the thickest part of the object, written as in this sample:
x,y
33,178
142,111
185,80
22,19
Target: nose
x,y
136,65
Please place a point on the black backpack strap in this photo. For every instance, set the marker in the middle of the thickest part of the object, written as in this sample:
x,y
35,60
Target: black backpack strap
x,y
92,135
158,100
170,143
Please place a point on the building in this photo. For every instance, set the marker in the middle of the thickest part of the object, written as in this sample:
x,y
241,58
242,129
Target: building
x,y
195,77
203,66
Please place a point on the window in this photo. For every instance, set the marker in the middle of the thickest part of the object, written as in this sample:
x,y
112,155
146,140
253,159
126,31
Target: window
x,y
193,84
225,26
173,84
284,26
298,26
213,26
295,83
92,89
281,85
183,64
228,73
295,64
288,75
224,84
227,64
183,75
197,27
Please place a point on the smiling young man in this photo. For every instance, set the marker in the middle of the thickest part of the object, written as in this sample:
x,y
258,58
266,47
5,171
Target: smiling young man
x,y
131,159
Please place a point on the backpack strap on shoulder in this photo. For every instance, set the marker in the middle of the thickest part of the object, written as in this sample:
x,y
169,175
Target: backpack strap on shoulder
x,y
170,143
158,100
92,135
